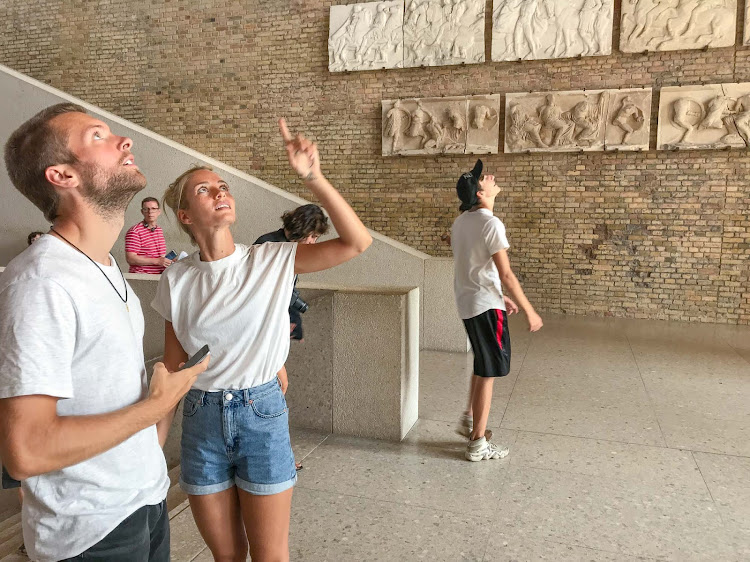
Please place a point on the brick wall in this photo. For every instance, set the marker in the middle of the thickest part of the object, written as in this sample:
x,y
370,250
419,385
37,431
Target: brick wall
x,y
659,235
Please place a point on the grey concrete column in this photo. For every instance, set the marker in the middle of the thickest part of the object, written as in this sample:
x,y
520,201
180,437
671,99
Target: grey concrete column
x,y
310,365
376,364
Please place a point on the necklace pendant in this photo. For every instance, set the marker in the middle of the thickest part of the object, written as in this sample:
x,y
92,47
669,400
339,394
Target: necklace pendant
x,y
125,283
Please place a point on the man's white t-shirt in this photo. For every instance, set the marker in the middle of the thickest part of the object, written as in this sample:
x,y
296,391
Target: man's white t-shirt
x,y
475,237
65,333
238,305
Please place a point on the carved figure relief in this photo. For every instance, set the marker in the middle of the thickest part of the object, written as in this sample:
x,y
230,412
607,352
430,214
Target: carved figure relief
x,y
366,36
669,25
548,29
393,125
454,125
425,128
704,117
484,124
577,121
629,121
443,32
742,117
522,129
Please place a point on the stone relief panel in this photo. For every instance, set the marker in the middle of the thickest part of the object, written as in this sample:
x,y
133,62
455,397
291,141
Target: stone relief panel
x,y
747,23
670,25
366,36
704,117
577,121
628,119
450,125
484,124
443,32
555,122
550,29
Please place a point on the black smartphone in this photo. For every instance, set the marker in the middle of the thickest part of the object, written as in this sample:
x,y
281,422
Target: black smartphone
x,y
171,255
197,358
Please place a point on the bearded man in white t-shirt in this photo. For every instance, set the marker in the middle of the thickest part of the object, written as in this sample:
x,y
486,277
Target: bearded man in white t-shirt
x,y
78,421
482,269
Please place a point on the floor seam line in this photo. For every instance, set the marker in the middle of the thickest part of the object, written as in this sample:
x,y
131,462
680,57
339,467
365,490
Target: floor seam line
x,y
708,489
604,439
736,351
311,451
392,502
559,540
515,382
197,555
487,541
645,389
606,478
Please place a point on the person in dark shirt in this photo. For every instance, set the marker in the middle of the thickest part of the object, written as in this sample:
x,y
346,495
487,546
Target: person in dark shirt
x,y
303,225
34,236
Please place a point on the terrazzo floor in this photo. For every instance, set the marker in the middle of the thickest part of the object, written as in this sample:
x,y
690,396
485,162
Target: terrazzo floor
x,y
629,440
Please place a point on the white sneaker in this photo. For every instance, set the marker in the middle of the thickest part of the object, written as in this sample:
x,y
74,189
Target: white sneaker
x,y
481,449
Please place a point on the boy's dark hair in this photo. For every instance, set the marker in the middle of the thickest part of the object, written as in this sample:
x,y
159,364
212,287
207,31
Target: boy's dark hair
x,y
31,149
30,237
150,200
304,221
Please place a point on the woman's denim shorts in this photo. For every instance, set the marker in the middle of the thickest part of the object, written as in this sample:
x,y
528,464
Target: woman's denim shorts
x,y
237,437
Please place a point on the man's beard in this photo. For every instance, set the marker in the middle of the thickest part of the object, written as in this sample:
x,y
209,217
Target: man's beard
x,y
110,193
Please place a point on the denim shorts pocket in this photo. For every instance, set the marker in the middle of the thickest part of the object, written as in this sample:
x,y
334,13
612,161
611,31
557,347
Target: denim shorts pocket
x,y
189,407
269,405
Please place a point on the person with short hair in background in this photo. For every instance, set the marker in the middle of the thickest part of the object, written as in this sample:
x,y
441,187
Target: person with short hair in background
x,y
303,225
145,246
34,236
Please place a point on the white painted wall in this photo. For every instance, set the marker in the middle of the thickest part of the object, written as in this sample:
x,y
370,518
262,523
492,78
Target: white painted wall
x,y
387,263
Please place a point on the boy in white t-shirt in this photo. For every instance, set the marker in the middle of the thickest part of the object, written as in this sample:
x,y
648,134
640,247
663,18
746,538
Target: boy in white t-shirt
x,y
482,268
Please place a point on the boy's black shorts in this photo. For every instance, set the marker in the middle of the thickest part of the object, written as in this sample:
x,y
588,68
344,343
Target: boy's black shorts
x,y
9,481
490,341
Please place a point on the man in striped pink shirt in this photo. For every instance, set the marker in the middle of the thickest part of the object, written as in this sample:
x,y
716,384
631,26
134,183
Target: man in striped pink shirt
x,y
145,246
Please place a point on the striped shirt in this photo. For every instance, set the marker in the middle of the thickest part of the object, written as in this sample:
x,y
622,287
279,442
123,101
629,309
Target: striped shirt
x,y
142,241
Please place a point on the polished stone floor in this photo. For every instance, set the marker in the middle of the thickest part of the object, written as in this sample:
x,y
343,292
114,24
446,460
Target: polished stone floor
x,y
629,440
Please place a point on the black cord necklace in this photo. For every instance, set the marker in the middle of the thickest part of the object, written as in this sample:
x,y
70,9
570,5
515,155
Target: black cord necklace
x,y
124,300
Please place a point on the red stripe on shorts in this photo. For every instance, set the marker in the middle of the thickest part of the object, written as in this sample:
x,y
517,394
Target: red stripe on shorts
x,y
499,332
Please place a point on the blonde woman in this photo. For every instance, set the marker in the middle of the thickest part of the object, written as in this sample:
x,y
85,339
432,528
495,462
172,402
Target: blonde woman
x,y
237,462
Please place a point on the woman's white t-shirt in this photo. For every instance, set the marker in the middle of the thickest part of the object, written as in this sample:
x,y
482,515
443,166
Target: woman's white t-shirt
x,y
238,305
